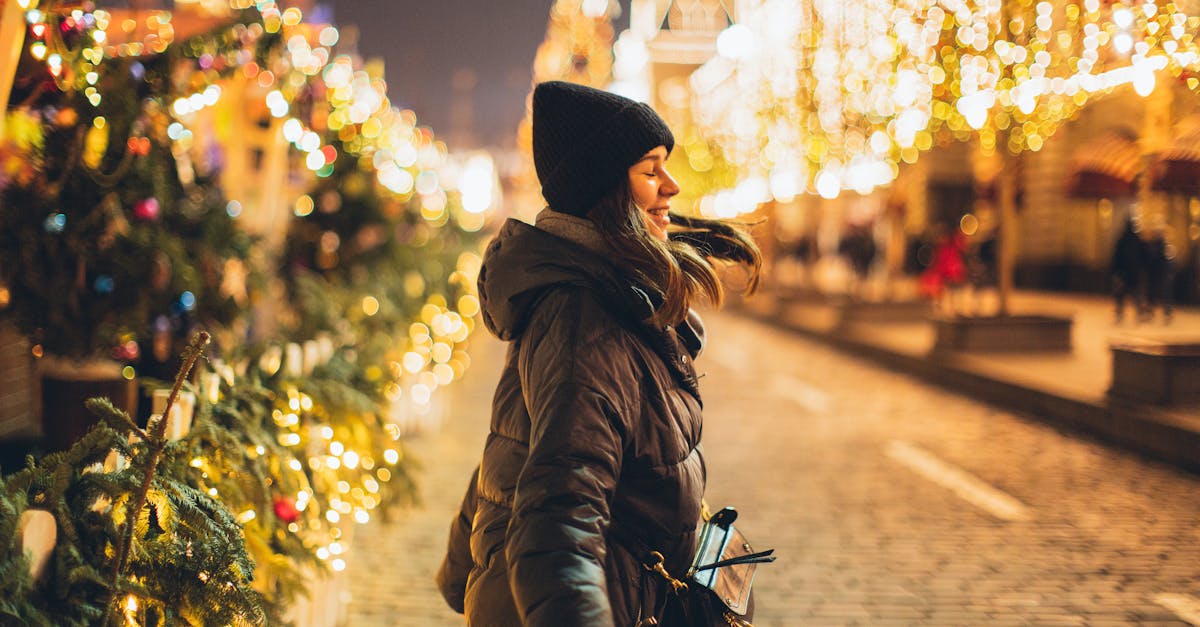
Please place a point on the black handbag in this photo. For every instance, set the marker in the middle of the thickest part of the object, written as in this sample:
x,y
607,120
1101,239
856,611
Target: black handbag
x,y
718,587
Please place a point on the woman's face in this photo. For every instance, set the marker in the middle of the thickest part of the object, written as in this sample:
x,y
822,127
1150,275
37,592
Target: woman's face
x,y
652,188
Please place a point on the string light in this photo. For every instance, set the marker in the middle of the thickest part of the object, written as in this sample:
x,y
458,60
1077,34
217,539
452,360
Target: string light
x,y
406,159
865,86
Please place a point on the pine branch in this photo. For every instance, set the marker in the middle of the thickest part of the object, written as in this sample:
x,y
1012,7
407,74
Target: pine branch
x,y
156,442
113,416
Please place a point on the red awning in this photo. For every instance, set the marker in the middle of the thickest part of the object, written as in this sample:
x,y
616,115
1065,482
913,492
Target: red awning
x,y
1106,167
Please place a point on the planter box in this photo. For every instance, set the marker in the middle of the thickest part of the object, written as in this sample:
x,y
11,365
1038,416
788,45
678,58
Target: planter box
x,y
67,385
1003,333
1164,373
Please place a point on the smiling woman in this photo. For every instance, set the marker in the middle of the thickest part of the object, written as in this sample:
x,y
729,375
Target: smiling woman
x,y
594,448
652,188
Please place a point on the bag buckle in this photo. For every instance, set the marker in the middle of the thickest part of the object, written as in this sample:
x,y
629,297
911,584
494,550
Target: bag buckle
x,y
677,586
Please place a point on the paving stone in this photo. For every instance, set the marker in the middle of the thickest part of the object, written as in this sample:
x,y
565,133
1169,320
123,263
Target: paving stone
x,y
861,539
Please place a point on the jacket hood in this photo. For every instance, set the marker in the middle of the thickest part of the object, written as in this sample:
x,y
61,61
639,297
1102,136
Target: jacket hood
x,y
523,262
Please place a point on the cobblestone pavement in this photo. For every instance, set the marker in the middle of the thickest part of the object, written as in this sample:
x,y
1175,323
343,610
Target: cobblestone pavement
x,y
889,502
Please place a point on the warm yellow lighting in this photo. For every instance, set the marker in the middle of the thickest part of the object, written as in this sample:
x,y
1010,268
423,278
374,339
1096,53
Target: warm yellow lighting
x,y
969,224
304,206
370,305
413,362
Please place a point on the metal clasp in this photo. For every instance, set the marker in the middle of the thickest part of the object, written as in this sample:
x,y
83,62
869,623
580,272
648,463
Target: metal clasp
x,y
677,586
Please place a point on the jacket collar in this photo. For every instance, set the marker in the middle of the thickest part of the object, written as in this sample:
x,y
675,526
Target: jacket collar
x,y
571,228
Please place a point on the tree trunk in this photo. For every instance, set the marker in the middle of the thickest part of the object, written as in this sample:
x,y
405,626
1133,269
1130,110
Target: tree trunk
x,y
1006,236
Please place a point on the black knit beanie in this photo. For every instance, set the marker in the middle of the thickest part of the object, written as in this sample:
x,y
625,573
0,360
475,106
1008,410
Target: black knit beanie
x,y
585,140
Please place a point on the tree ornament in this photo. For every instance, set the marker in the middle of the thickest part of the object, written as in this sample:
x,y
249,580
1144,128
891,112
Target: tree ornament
x,y
94,145
103,284
127,351
146,209
285,509
66,117
138,146
160,271
55,223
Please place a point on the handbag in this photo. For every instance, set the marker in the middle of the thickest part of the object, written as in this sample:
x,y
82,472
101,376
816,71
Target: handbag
x,y
717,590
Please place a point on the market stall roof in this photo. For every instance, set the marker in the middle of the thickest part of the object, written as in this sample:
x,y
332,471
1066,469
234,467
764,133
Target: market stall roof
x,y
1106,167
1177,169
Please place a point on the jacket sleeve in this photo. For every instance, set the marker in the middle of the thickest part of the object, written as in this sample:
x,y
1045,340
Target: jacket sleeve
x,y
555,545
456,567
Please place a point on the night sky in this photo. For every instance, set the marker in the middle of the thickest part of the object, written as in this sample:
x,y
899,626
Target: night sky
x,y
423,44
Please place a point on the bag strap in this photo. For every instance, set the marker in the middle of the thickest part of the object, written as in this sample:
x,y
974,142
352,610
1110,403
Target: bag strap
x,y
760,557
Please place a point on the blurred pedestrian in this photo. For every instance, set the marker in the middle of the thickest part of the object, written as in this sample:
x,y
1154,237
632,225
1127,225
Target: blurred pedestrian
x,y
943,280
858,247
805,254
593,456
1160,275
982,267
1128,267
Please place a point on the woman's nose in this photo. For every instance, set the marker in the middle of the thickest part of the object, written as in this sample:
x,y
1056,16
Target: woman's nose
x,y
670,187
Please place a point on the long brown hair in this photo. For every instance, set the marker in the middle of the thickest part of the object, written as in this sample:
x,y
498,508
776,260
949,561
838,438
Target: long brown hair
x,y
680,268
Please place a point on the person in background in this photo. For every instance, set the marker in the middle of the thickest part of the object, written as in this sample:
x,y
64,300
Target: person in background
x,y
982,268
594,456
1160,275
943,280
858,247
1128,265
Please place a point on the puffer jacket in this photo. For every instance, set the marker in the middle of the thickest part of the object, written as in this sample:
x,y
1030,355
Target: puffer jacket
x,y
594,452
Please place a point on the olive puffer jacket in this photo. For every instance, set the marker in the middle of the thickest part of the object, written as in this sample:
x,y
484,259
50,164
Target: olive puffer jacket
x,y
593,456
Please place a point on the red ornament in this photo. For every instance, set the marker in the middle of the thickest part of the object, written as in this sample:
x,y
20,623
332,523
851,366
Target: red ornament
x,y
127,351
146,210
285,509
138,146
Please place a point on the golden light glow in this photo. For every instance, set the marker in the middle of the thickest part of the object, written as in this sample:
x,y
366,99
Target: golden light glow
x,y
823,96
370,305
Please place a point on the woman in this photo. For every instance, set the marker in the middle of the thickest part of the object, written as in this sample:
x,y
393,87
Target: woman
x,y
593,459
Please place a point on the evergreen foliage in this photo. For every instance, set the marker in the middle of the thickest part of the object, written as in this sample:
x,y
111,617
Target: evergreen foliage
x,y
214,528
111,231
